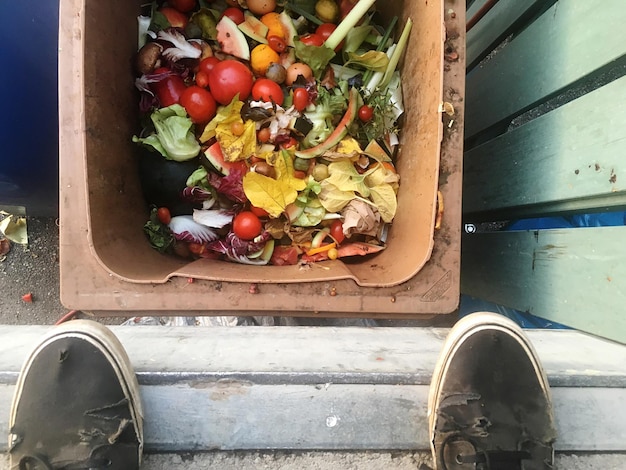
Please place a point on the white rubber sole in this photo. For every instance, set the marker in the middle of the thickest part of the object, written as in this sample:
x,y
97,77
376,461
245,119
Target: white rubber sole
x,y
103,339
462,330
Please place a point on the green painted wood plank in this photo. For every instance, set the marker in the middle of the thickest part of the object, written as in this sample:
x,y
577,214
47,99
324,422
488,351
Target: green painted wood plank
x,y
576,277
571,159
502,20
566,44
473,6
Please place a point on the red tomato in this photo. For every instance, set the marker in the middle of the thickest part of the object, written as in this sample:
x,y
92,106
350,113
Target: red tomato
x,y
312,39
168,90
366,113
284,255
267,90
258,211
235,14
207,64
277,43
300,98
199,104
246,225
164,216
336,231
175,17
183,5
202,79
229,78
325,30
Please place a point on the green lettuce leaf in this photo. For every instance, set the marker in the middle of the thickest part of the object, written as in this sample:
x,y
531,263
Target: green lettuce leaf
x,y
174,138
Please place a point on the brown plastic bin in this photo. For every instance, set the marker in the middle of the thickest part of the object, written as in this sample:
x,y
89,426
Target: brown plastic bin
x,y
107,264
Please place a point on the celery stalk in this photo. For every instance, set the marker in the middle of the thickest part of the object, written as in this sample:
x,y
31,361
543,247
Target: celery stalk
x,y
397,53
349,22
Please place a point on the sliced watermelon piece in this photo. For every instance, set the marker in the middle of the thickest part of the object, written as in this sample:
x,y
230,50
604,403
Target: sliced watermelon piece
x,y
215,156
232,41
253,28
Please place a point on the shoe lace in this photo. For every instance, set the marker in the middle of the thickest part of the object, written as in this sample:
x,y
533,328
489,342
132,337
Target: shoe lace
x,y
457,450
35,462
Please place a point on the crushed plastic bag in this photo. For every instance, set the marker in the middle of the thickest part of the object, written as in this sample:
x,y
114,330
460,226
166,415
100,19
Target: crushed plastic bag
x,y
200,321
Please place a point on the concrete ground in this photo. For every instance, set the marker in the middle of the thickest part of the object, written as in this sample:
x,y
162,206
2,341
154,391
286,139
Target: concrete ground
x,y
284,460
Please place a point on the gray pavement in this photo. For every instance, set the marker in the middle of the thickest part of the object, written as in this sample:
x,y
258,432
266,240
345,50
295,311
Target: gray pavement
x,y
284,460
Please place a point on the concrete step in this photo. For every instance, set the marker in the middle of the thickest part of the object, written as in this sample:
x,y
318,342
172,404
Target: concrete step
x,y
322,388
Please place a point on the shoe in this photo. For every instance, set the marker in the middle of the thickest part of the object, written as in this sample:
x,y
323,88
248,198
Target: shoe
x,y
76,404
489,406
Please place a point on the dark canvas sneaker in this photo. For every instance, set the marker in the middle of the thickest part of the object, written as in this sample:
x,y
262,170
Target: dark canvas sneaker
x,y
489,405
76,404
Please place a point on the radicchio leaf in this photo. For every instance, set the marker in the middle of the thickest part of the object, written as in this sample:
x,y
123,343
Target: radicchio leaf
x,y
234,247
186,229
230,186
195,194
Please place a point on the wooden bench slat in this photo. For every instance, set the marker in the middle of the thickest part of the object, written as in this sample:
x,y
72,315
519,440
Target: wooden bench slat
x,y
572,276
502,20
570,159
570,41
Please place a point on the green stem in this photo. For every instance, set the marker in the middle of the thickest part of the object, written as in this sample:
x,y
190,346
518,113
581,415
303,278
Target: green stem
x,y
299,11
397,53
349,22
367,76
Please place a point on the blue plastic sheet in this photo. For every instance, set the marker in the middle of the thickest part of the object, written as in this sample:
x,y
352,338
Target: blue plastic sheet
x,y
29,131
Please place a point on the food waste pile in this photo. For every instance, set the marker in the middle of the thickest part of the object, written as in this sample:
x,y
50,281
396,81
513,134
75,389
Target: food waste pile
x,y
267,129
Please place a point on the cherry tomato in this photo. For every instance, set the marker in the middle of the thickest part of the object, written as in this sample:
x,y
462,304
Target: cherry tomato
x,y
312,39
235,14
259,211
169,89
264,135
325,30
300,99
184,6
175,18
277,43
267,90
207,64
237,128
164,216
229,78
246,225
202,79
366,113
199,104
336,231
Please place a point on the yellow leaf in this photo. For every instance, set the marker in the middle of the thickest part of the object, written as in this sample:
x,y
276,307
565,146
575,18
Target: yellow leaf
x,y
226,114
267,193
236,147
385,199
347,148
284,171
274,195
